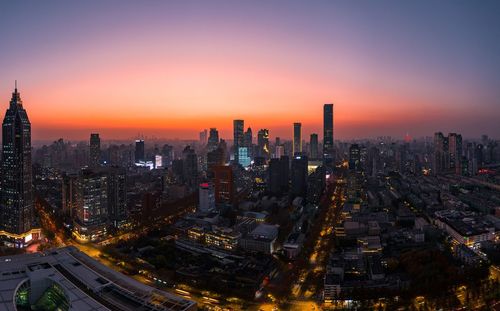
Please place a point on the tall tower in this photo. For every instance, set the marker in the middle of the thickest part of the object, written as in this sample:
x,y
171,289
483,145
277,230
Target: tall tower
x,y
328,134
95,150
16,204
238,137
297,138
313,146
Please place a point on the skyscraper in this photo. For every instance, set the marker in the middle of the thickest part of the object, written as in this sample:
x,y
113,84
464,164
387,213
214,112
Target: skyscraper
x,y
213,139
263,143
95,150
455,150
139,151
354,157
238,137
313,145
441,153
203,137
16,204
297,138
328,134
299,175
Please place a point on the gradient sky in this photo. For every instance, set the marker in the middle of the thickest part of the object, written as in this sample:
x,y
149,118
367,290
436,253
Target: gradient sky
x,y
170,69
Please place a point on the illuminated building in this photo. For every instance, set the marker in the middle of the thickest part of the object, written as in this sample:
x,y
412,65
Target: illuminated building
x,y
297,138
139,151
299,175
263,143
92,209
354,157
206,197
67,279
448,153
16,203
328,152
224,238
224,184
238,137
95,150
313,146
244,156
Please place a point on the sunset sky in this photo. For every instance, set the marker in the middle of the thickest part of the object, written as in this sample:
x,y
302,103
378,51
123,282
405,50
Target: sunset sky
x,y
173,68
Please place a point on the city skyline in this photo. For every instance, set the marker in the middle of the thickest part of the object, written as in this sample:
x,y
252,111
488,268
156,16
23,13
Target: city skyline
x,y
169,70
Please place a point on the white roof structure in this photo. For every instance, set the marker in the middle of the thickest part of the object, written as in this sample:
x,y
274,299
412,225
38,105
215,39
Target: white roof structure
x,y
77,282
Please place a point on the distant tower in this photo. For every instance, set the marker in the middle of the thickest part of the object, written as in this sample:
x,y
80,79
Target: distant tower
x,y
313,145
297,138
328,155
95,150
16,203
238,141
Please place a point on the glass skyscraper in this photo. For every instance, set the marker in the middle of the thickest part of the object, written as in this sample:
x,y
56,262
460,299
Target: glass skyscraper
x,y
16,203
328,134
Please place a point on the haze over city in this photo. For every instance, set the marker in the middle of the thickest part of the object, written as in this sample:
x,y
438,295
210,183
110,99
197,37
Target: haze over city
x,y
250,155
168,69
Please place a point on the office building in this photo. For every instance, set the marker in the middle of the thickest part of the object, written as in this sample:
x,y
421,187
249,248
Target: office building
x,y
279,175
248,139
224,184
139,151
328,151
354,157
313,147
238,137
297,139
263,143
203,137
299,175
91,214
206,197
455,149
95,150
117,196
16,193
244,156
213,139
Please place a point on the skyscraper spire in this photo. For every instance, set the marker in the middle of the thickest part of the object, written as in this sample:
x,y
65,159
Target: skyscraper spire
x,y
15,83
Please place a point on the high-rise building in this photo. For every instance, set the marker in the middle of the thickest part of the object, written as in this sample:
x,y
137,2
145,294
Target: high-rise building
x,y
16,203
167,155
203,137
244,156
224,184
299,175
238,141
190,166
92,210
455,149
354,157
263,143
117,196
313,146
139,151
279,175
213,139
297,138
328,152
279,151
448,154
248,139
95,150
206,197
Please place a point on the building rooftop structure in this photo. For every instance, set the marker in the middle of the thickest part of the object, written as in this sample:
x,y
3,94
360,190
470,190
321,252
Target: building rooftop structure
x,y
67,279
